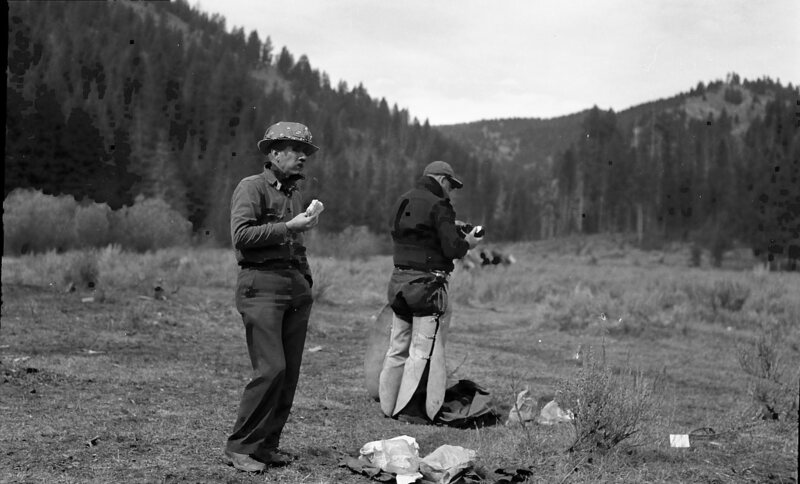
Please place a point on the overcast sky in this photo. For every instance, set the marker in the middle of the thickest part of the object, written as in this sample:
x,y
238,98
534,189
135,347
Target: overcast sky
x,y
452,61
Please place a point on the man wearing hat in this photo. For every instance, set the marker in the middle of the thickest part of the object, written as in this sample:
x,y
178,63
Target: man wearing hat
x,y
425,241
273,292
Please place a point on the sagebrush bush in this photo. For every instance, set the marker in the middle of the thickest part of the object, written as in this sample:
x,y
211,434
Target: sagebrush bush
x,y
82,270
577,310
92,225
774,385
728,295
35,222
718,300
608,406
150,224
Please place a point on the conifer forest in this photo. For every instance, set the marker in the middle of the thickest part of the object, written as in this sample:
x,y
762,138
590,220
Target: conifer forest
x,y
107,101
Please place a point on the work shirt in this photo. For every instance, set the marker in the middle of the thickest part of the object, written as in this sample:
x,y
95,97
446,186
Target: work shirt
x,y
260,207
424,233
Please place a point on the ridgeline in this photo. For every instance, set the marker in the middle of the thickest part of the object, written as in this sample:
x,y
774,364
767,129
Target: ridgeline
x,y
107,101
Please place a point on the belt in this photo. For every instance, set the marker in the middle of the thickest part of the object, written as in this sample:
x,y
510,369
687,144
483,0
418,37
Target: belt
x,y
270,265
436,272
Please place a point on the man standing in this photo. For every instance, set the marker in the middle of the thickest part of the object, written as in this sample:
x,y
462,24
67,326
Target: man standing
x,y
273,293
425,240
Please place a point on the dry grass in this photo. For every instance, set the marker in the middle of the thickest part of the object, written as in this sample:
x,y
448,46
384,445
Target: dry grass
x,y
136,389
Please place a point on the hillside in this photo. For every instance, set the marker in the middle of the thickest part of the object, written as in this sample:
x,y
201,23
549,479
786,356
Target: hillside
x,y
517,140
539,141
111,101
716,164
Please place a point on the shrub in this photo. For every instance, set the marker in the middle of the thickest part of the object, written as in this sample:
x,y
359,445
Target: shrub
x,y
92,225
82,270
728,295
150,224
774,386
35,222
608,407
577,310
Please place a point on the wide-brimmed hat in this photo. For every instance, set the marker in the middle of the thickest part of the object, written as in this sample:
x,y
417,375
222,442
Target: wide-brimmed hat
x,y
287,131
443,168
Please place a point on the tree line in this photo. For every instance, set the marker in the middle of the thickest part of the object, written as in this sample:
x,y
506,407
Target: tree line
x,y
107,101
667,175
716,166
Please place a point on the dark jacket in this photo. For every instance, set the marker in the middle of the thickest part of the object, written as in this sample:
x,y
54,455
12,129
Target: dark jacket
x,y
259,212
423,229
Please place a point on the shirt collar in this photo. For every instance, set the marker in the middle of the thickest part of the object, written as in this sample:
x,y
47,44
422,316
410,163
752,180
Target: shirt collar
x,y
287,186
269,175
432,186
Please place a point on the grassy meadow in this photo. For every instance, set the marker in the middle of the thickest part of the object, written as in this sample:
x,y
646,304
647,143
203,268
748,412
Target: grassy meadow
x,y
122,367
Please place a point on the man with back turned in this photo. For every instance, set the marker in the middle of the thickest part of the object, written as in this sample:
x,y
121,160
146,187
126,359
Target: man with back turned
x,y
425,239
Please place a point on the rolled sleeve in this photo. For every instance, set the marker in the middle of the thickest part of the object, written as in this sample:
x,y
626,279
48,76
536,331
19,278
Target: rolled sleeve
x,y
248,230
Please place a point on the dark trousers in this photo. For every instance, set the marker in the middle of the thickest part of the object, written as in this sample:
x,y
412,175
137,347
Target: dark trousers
x,y
275,306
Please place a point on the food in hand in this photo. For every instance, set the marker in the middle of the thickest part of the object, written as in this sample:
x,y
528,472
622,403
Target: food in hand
x,y
314,208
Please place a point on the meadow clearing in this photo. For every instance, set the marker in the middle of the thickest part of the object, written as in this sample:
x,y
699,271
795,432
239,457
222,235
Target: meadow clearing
x,y
106,379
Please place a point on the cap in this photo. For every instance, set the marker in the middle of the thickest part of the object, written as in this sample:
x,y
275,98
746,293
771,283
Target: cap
x,y
443,168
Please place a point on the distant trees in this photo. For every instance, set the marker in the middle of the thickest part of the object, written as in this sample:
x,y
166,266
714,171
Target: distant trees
x,y
771,181
682,178
107,101
112,100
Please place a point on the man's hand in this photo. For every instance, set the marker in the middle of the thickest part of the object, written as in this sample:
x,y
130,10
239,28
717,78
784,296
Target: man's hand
x,y
473,239
302,222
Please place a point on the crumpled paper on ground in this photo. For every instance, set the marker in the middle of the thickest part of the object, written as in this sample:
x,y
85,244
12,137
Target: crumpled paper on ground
x,y
446,463
400,456
525,410
552,414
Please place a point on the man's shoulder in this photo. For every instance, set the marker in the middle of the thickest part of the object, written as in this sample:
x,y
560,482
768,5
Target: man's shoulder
x,y
252,178
252,182
421,192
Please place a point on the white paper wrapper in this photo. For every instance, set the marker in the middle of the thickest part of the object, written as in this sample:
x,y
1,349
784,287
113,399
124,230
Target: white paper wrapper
x,y
314,208
679,440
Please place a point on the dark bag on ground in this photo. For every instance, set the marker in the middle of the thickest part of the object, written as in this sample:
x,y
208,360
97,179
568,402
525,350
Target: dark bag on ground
x,y
467,405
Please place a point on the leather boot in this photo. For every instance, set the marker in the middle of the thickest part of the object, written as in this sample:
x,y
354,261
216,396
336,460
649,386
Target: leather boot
x,y
244,462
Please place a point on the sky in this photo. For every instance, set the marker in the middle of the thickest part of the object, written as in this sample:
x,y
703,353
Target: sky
x,y
456,61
